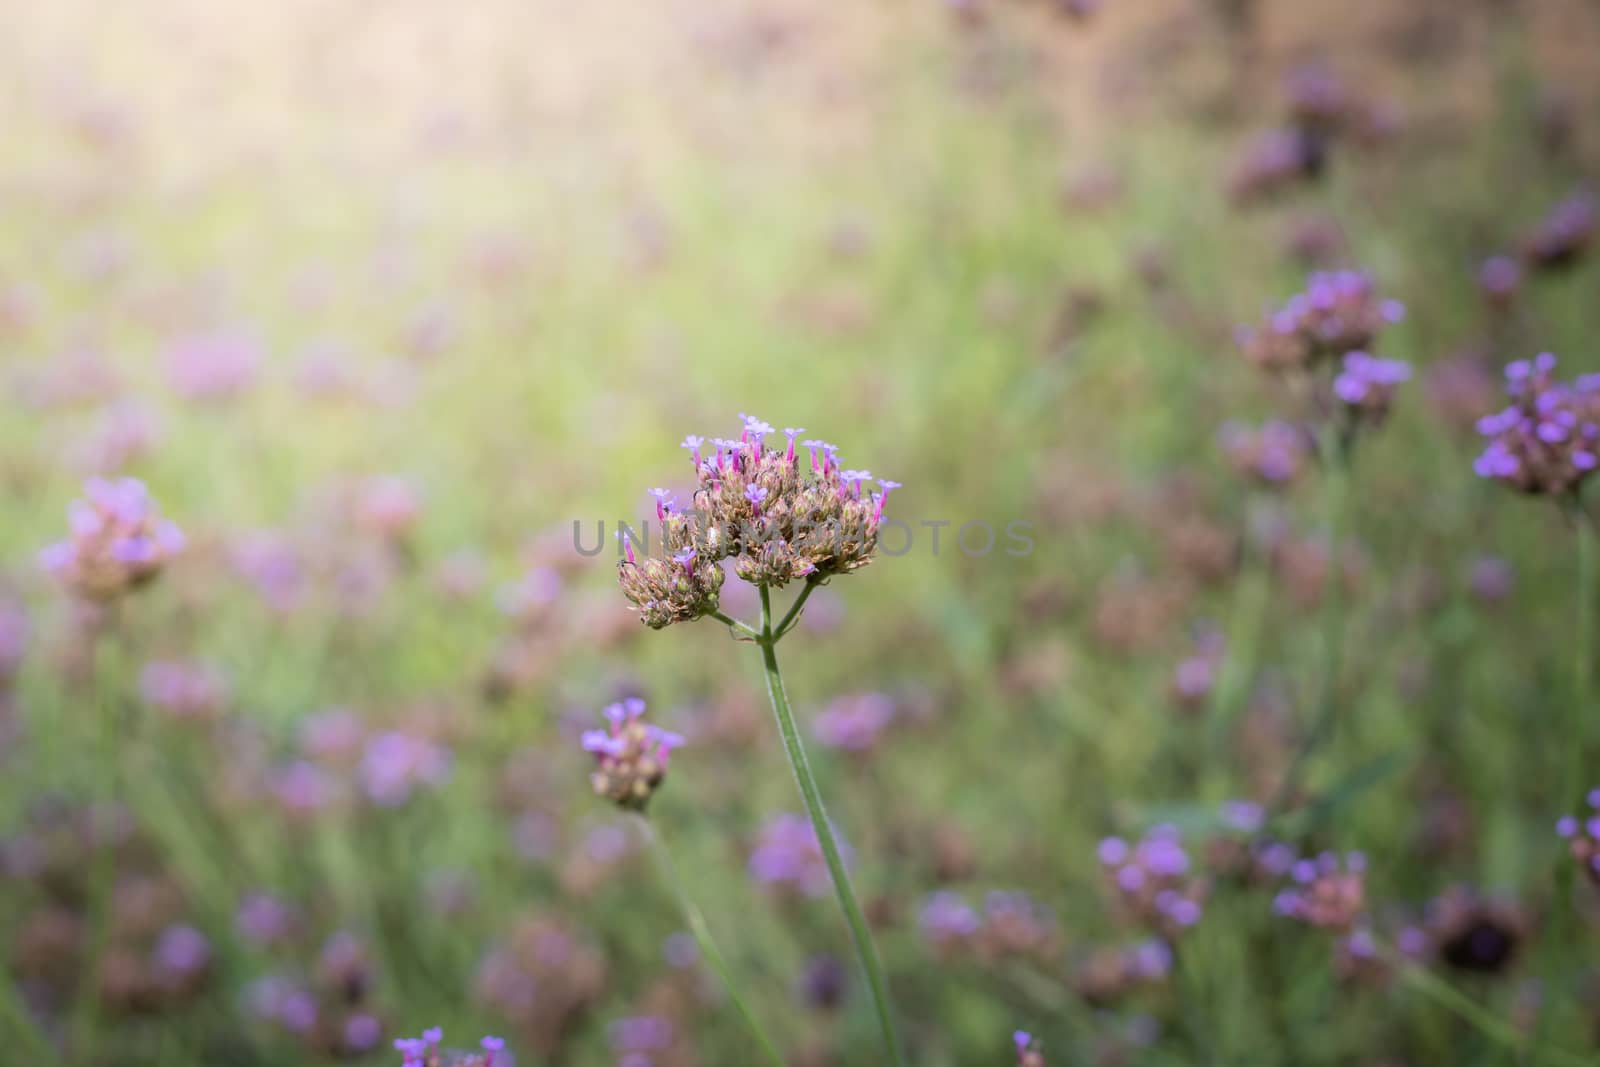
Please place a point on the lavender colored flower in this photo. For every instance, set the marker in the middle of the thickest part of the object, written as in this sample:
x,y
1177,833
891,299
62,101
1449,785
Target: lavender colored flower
x,y
788,857
214,366
1152,879
264,920
117,541
1582,834
1271,454
855,722
1330,892
1548,441
1499,279
192,691
1564,235
428,1051
395,764
631,755
1366,385
1339,312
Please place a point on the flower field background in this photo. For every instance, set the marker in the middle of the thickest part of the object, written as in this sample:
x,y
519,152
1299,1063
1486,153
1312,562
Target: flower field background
x,y
1262,734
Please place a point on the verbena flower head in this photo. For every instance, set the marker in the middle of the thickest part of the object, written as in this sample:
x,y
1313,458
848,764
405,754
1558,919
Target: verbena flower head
x,y
788,856
1329,891
1366,385
1548,441
1153,879
426,1051
1272,454
1561,237
1029,1053
117,541
1582,834
1339,312
781,514
631,755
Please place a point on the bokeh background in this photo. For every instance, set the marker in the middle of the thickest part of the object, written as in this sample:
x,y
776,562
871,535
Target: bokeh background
x,y
378,299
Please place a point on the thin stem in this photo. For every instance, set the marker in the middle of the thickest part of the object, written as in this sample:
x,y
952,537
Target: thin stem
x,y
1336,475
793,615
1583,672
737,626
866,952
702,937
1476,1015
102,816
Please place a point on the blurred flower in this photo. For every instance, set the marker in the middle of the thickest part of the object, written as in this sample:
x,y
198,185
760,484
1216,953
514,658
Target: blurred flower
x,y
395,764
1562,236
264,920
184,690
1499,279
631,755
1029,1053
1328,892
1271,454
1366,385
1273,161
213,366
1582,834
1153,879
787,856
117,542
1338,312
855,722
1547,441
388,507
1474,933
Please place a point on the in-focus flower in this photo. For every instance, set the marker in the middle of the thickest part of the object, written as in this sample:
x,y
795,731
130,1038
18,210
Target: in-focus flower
x,y
779,517
631,755
117,541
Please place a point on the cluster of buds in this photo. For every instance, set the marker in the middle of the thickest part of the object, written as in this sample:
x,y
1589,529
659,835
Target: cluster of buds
x,y
542,978
1271,454
630,755
425,1051
1583,837
1366,384
1011,924
779,517
117,541
1562,236
1339,312
1029,1052
1548,441
788,857
1110,973
1329,892
1152,879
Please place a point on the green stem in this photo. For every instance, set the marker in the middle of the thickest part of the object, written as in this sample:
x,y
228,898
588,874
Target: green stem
x,y
702,936
1583,672
793,613
1476,1015
1336,476
102,815
735,625
866,952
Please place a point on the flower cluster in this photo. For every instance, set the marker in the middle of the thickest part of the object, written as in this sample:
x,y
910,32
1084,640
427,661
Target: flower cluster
x,y
1562,236
1365,385
425,1051
117,541
1339,312
1010,924
1583,837
1271,454
1329,892
1152,878
1111,972
1548,441
778,516
788,856
1029,1054
631,755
